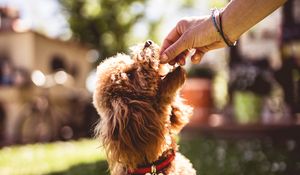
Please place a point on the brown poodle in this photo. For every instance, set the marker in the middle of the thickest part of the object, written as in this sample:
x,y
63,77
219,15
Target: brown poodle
x,y
141,114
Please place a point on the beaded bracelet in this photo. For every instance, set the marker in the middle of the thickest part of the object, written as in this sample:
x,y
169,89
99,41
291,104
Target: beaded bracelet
x,y
220,30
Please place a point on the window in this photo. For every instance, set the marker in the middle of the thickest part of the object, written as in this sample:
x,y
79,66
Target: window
x,y
57,63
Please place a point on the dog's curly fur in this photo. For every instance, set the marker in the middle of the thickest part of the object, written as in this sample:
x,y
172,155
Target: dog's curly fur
x,y
141,112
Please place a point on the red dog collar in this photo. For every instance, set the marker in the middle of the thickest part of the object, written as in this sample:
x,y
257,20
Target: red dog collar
x,y
155,167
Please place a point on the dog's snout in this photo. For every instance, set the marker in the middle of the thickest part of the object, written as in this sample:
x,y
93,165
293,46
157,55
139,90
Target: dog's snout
x,y
148,43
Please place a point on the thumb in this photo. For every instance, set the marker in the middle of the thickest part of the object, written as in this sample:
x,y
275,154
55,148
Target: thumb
x,y
175,49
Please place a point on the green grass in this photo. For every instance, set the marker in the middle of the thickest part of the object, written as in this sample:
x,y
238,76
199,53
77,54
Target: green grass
x,y
74,157
210,156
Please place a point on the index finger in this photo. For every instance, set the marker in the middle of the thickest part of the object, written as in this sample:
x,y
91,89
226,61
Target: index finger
x,y
171,38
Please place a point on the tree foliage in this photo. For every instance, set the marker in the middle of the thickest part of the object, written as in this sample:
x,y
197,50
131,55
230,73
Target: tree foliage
x,y
105,24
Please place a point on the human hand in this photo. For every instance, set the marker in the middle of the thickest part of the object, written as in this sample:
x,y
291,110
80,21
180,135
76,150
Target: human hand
x,y
190,33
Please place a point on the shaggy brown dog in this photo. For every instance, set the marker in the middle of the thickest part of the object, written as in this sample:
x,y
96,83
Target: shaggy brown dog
x,y
141,113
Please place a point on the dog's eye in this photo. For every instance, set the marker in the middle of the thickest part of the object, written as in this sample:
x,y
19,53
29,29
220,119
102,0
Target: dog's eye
x,y
130,74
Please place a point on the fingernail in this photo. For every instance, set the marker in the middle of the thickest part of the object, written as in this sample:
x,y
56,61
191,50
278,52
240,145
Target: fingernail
x,y
195,59
163,57
181,62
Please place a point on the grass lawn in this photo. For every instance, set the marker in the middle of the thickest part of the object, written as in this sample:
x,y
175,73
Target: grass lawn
x,y
210,156
74,157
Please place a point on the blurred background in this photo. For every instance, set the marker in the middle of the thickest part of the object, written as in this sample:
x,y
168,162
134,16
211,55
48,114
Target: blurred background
x,y
246,99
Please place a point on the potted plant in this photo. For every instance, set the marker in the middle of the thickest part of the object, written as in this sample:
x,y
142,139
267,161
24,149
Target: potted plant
x,y
197,92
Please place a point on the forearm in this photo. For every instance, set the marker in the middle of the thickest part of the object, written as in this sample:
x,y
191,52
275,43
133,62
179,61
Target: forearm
x,y
240,15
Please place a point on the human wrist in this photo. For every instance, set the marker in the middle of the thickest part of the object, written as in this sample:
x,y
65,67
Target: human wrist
x,y
215,36
217,21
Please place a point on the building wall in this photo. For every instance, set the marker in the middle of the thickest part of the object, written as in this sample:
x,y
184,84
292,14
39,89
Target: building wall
x,y
12,104
33,51
18,47
73,55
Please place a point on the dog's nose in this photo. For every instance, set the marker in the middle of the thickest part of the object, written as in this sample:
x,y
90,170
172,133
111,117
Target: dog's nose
x,y
148,43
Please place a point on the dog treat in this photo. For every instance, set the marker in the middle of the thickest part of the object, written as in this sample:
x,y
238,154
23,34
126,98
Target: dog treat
x,y
164,69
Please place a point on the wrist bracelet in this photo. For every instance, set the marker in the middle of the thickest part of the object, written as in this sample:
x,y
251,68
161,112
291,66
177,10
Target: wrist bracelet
x,y
220,30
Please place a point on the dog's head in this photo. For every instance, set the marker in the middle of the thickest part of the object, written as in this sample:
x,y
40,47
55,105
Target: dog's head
x,y
129,76
131,99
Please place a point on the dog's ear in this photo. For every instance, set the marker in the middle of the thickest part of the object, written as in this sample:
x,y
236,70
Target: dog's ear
x,y
132,132
180,115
